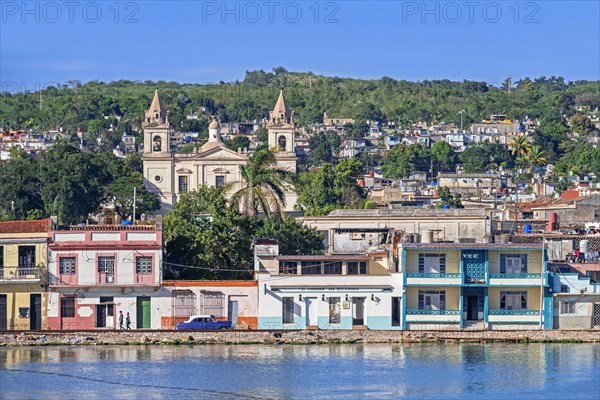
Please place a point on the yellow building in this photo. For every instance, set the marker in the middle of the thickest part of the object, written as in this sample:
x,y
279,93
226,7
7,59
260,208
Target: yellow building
x,y
23,274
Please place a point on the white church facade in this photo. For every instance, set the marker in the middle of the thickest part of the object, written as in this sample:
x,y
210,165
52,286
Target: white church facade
x,y
170,174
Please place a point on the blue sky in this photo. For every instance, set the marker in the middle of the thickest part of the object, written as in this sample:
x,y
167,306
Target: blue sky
x,y
209,41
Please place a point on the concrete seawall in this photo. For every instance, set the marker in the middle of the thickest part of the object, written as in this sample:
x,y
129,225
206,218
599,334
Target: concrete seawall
x,y
288,337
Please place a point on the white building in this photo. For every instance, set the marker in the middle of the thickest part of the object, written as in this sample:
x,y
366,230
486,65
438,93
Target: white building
x,y
169,174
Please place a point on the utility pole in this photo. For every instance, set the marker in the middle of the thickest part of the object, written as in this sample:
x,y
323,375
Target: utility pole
x,y
133,218
461,112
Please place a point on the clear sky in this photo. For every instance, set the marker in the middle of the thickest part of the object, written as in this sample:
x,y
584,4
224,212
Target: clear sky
x,y
208,41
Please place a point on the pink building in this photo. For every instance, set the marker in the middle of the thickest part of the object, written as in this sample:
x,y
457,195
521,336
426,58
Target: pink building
x,y
97,272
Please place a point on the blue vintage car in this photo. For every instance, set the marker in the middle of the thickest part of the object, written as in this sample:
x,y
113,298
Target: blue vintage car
x,y
203,322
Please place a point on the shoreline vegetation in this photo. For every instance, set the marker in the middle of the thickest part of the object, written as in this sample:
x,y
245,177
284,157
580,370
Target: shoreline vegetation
x,y
146,338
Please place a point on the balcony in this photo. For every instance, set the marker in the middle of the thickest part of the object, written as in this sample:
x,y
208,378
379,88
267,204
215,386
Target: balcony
x,y
514,316
424,278
415,315
20,274
505,279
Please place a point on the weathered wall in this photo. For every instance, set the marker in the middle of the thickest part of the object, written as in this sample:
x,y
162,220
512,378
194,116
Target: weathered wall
x,y
291,337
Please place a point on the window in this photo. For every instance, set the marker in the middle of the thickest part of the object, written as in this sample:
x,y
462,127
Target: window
x,y
219,180
311,268
288,268
110,309
183,184
333,268
67,307
567,307
432,299
513,263
67,265
432,263
513,300
156,143
282,142
143,265
106,265
26,257
334,310
288,310
357,268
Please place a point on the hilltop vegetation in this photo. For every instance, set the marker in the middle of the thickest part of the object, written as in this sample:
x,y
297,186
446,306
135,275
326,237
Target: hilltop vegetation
x,y
74,105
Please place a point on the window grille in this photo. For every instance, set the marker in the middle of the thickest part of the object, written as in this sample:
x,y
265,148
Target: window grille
x,y
67,265
143,265
567,307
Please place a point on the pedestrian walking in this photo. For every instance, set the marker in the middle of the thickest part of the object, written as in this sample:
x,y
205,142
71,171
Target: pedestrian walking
x,y
128,322
121,327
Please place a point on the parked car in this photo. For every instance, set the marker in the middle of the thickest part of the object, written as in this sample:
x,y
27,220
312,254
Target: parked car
x,y
203,322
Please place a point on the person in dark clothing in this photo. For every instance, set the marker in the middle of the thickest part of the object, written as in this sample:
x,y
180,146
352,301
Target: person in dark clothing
x,y
121,320
128,322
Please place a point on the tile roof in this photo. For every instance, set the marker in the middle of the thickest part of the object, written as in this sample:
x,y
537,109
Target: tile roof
x,y
40,225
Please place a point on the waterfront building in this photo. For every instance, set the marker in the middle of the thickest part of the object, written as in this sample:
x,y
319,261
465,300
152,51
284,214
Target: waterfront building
x,y
354,290
233,300
97,271
23,274
478,286
169,174
576,297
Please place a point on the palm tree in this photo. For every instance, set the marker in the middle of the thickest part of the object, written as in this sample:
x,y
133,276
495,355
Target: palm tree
x,y
261,187
520,146
536,156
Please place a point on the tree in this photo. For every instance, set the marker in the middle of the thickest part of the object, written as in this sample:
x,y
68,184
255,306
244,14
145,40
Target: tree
x,y
536,156
238,142
120,193
324,146
262,186
449,199
443,156
520,146
582,124
404,159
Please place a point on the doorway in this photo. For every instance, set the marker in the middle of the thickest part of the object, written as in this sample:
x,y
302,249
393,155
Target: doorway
x,y
143,313
472,308
232,312
3,313
35,313
358,310
311,311
105,317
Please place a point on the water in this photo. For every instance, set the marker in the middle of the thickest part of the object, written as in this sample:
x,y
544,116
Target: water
x,y
414,371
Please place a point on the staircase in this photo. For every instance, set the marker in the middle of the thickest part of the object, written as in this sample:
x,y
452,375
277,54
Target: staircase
x,y
474,326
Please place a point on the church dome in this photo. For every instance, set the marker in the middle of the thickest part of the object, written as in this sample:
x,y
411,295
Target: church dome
x,y
214,124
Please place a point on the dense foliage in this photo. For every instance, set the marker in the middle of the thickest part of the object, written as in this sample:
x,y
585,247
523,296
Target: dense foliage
x,y
70,184
206,239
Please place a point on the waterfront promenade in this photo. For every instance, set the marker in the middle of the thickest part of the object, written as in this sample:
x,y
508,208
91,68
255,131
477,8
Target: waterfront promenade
x,y
149,337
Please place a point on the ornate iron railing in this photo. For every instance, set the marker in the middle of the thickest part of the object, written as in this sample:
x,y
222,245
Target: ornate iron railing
x,y
515,276
514,312
432,312
443,275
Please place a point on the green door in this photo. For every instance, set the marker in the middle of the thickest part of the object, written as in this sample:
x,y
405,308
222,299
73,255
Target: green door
x,y
143,313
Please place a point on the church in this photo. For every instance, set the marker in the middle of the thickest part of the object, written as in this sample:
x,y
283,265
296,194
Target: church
x,y
168,174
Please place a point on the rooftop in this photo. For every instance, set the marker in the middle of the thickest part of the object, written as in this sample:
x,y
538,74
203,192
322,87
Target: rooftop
x,y
40,225
490,246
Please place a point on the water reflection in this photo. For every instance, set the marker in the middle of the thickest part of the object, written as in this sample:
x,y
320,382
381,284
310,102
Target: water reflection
x,y
329,371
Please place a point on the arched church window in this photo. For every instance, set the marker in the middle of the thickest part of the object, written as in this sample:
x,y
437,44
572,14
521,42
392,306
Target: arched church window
x,y
281,142
156,143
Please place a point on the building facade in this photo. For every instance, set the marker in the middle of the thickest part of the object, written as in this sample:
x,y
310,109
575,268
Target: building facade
x,y
233,300
485,286
98,272
169,174
23,274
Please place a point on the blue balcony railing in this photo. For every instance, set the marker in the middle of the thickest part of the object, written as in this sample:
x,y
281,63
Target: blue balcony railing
x,y
446,275
432,312
515,276
514,312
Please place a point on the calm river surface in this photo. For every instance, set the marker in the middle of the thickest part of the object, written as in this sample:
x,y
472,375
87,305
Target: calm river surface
x,y
428,371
